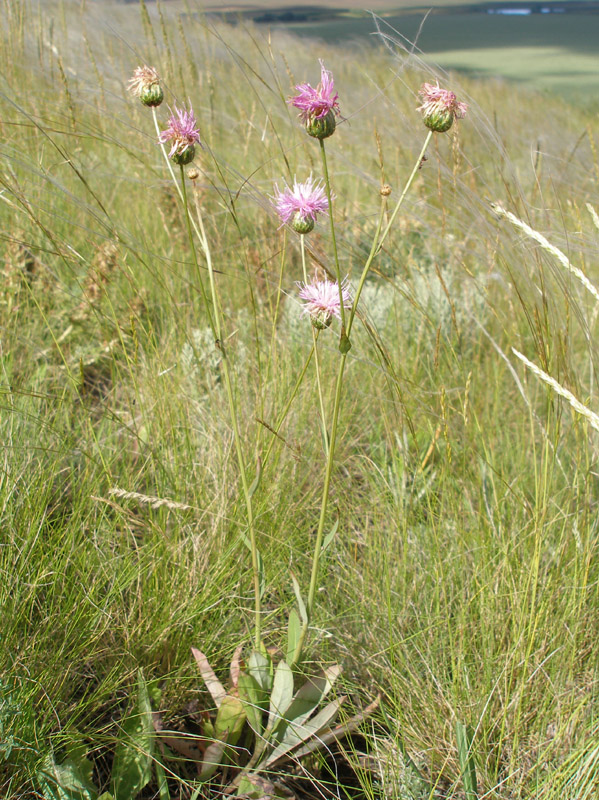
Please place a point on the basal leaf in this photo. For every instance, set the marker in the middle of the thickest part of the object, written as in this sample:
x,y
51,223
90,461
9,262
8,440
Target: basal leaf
x,y
213,759
281,695
214,686
132,765
307,699
465,739
250,695
296,734
260,668
67,781
230,719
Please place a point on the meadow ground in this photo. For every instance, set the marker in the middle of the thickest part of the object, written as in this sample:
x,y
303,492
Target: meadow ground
x,y
462,581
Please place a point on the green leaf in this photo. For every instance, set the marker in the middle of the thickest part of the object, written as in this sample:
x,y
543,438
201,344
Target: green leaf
x,y
260,668
132,765
306,701
230,719
294,635
106,796
257,479
163,789
465,738
261,574
330,536
70,780
252,696
300,602
281,695
296,734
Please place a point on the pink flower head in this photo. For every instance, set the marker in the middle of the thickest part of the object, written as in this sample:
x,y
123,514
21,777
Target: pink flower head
x,y
316,103
143,78
300,205
440,107
182,132
323,301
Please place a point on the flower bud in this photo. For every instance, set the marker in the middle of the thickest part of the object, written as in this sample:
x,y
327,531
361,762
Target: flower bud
x,y
151,95
145,84
439,121
385,190
185,156
439,108
193,173
321,320
302,223
323,127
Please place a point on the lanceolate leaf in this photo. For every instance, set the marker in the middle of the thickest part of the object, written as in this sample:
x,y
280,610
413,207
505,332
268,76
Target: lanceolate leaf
x,y
214,686
326,735
281,695
250,694
132,766
260,668
296,734
230,719
300,602
213,759
307,699
326,542
465,737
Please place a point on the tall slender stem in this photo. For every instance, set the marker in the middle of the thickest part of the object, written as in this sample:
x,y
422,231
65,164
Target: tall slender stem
x,y
315,333
216,325
333,236
375,249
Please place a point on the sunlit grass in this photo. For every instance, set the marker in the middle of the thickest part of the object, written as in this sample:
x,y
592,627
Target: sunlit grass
x,y
462,583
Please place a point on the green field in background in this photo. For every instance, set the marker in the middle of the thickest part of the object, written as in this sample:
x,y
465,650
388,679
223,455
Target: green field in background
x,y
558,52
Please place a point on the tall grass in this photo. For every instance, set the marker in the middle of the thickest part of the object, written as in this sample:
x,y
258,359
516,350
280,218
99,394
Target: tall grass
x,y
463,579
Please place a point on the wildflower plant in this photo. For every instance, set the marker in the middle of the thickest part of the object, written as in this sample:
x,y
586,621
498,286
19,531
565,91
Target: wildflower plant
x,y
265,702
440,107
318,107
299,206
181,133
322,301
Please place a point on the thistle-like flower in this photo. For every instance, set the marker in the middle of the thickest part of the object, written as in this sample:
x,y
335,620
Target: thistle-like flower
x,y
319,106
440,107
299,206
323,302
145,84
183,134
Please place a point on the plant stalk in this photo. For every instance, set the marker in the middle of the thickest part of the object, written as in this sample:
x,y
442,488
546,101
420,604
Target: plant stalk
x,y
216,325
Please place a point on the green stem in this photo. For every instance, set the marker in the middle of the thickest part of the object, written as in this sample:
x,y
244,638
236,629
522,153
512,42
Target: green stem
x,y
216,325
417,166
315,333
333,237
375,249
194,253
